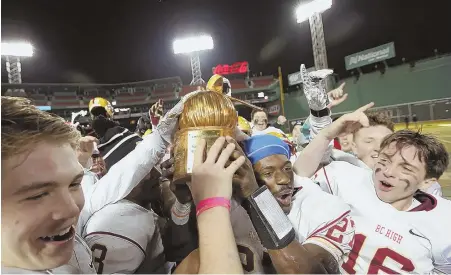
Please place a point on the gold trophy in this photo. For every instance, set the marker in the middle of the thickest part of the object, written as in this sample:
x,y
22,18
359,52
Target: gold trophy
x,y
206,115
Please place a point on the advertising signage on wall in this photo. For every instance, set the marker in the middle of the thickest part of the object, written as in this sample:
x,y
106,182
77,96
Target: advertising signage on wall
x,y
235,68
377,54
295,78
274,109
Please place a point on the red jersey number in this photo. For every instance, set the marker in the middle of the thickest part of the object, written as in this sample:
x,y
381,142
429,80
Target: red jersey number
x,y
376,264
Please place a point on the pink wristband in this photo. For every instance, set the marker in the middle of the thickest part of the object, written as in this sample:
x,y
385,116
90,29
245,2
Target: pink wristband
x,y
210,203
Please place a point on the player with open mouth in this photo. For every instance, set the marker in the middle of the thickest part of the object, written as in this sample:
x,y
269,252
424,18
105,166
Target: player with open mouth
x,y
399,228
42,197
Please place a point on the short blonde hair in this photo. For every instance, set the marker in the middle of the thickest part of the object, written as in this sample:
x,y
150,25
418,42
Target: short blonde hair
x,y
24,126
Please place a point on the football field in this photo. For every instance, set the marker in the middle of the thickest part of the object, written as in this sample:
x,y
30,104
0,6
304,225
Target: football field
x,y
442,130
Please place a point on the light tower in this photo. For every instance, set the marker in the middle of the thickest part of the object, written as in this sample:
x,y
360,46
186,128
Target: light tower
x,y
192,46
312,11
13,52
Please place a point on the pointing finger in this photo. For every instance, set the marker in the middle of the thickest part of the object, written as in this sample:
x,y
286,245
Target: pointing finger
x,y
343,98
365,108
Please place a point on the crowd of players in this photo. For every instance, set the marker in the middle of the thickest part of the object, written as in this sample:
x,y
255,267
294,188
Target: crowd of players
x,y
257,202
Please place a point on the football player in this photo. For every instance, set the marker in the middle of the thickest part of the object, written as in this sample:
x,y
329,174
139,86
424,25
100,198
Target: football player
x,y
399,229
39,151
260,124
311,239
124,235
41,192
365,142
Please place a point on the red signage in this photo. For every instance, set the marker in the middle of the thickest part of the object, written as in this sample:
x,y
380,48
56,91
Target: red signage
x,y
235,68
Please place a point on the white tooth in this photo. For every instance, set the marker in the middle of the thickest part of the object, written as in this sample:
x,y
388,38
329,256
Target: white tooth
x,y
62,232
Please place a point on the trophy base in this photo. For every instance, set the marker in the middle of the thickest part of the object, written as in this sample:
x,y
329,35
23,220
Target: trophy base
x,y
186,141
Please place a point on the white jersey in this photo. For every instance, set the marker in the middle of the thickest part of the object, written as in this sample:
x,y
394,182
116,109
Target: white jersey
x,y
124,238
321,219
317,218
268,130
388,240
122,177
80,262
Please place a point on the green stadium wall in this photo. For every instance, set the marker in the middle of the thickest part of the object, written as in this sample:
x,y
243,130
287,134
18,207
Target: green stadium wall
x,y
427,80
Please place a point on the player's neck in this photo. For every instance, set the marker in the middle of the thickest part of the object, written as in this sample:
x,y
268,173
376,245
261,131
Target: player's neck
x,y
403,205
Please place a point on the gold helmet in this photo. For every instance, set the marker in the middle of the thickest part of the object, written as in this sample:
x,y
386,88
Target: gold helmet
x,y
100,105
244,125
219,84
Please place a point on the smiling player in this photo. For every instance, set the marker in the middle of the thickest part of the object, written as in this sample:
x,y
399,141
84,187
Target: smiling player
x,y
41,192
399,229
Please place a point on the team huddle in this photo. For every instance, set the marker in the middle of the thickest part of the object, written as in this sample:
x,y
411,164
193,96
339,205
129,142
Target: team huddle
x,y
315,210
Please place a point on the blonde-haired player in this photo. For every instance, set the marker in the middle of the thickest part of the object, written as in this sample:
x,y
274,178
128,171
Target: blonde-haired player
x,y
41,192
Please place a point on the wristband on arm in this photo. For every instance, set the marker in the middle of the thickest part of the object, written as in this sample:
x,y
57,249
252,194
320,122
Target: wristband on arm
x,y
321,113
272,225
209,203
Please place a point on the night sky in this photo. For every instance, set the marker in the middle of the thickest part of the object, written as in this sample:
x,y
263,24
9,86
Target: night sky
x,y
107,41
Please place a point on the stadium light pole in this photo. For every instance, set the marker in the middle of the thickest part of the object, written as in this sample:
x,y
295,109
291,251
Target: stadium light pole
x,y
192,46
13,51
311,11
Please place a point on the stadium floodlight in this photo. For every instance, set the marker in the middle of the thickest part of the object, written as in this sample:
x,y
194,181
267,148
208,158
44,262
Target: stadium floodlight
x,y
305,11
13,51
192,46
19,49
311,11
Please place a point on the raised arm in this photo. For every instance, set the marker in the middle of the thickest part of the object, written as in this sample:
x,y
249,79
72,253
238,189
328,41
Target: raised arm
x,y
308,162
320,103
130,170
211,188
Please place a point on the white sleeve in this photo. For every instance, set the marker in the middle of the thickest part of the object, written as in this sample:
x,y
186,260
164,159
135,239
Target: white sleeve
x,y
114,253
322,219
127,173
317,124
336,237
325,179
442,259
440,240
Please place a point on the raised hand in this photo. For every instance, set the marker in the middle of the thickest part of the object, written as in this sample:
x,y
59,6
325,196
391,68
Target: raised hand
x,y
281,120
85,149
211,177
181,191
244,181
315,88
337,96
157,109
348,123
